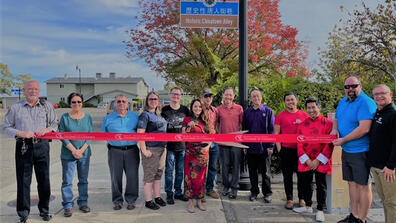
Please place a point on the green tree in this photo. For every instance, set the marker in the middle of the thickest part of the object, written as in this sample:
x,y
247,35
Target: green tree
x,y
9,81
364,45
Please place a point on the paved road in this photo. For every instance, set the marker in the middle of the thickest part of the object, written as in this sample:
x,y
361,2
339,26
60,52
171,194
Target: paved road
x,y
222,210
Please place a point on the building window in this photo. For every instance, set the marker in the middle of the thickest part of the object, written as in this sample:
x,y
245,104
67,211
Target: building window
x,y
61,86
62,99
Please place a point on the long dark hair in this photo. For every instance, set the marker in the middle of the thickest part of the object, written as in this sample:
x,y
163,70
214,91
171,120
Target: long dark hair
x,y
204,116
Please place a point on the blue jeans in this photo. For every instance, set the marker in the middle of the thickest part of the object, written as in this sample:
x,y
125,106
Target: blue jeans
x,y
68,167
212,167
174,162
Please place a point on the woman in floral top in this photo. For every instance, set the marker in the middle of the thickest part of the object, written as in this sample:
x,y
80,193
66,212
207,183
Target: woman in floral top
x,y
197,156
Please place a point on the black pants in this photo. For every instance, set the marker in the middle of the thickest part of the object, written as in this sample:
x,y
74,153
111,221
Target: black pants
x,y
289,163
121,161
230,157
258,164
307,188
37,155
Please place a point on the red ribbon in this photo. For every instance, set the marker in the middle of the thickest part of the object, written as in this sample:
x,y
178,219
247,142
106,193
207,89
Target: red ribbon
x,y
185,137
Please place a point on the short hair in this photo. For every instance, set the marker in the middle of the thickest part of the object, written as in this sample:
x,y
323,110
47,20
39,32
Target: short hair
x,y
228,88
72,95
122,95
158,109
288,94
261,93
384,86
313,100
176,88
357,78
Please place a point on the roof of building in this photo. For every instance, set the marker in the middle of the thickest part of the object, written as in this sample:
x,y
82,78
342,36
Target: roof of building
x,y
92,80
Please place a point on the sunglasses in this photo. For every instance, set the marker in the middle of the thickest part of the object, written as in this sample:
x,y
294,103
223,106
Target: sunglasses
x,y
121,101
74,102
153,99
353,86
208,95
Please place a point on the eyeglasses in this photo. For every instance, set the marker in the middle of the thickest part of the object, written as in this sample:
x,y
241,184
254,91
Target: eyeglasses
x,y
74,102
208,95
353,86
153,99
380,94
121,101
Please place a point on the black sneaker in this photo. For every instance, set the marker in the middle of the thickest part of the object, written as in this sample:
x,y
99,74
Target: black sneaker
x,y
349,218
22,219
267,199
45,216
181,197
170,200
151,205
253,197
159,201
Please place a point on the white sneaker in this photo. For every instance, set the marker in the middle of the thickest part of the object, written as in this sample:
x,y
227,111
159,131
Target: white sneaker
x,y
303,210
320,216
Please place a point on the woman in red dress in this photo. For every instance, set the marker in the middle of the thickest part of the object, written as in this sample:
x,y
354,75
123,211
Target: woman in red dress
x,y
197,156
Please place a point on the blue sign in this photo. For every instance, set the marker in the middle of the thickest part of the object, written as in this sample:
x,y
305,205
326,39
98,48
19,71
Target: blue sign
x,y
199,8
16,91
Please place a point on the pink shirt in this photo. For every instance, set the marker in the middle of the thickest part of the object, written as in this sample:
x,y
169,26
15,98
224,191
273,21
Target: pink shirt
x,y
229,119
289,122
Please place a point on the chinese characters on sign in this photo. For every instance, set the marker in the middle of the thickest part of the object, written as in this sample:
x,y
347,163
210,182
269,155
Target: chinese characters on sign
x,y
209,13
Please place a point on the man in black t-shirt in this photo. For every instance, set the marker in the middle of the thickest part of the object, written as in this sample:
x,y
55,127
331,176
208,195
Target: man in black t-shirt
x,y
174,115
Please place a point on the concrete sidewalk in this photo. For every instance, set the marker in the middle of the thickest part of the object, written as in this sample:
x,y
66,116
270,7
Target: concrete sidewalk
x,y
221,210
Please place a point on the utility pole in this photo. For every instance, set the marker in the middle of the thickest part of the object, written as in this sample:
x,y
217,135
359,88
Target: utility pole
x,y
79,78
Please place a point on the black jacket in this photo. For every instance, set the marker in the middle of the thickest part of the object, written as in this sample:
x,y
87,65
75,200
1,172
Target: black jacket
x,y
383,138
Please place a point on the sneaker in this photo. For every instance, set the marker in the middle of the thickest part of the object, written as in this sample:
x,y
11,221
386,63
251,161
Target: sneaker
x,y
267,199
213,194
225,191
159,201
349,218
303,210
45,216
131,206
67,213
170,200
85,209
181,197
289,204
233,194
253,197
151,205
302,203
320,216
117,207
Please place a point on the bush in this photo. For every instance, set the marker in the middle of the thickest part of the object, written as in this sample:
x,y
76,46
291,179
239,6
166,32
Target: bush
x,y
89,105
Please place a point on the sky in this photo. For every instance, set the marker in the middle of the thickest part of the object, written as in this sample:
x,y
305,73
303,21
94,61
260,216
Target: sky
x,y
48,38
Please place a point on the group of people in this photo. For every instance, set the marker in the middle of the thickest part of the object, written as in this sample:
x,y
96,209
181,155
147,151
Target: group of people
x,y
366,130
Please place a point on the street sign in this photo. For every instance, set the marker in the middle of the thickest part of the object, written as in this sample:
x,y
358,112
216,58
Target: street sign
x,y
209,13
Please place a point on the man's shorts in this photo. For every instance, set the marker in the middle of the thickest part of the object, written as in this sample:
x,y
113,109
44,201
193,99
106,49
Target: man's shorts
x,y
355,167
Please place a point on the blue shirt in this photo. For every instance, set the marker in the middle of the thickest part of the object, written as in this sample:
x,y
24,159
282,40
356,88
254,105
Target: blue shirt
x,y
153,123
114,122
259,121
68,124
348,116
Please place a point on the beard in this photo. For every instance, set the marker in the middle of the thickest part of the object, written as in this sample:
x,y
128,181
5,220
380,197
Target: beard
x,y
352,95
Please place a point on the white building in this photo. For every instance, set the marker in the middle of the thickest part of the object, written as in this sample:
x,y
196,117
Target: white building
x,y
98,89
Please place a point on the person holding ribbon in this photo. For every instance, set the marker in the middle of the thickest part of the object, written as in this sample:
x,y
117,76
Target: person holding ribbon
x,y
24,121
259,119
153,153
197,156
75,153
123,156
286,123
314,158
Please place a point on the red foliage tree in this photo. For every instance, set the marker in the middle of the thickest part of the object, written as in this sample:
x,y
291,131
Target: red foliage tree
x,y
197,58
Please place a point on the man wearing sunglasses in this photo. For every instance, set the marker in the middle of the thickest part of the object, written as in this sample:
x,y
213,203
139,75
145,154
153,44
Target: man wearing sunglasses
x,y
352,123
123,156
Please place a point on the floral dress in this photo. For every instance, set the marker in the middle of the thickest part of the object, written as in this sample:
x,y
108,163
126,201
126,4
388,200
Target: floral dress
x,y
195,162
